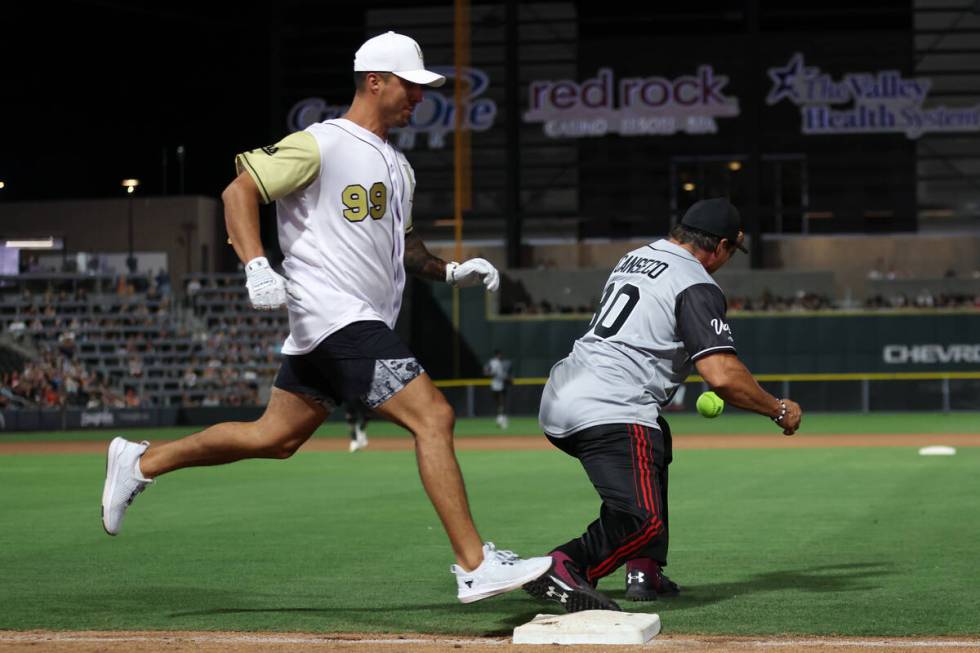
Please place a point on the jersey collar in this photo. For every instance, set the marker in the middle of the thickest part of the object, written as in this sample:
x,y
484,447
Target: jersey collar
x,y
360,132
665,245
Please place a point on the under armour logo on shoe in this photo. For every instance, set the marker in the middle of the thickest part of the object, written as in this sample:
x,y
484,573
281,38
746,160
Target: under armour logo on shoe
x,y
637,577
561,597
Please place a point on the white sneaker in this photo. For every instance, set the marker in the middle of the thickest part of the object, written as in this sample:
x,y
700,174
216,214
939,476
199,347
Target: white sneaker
x,y
121,481
501,571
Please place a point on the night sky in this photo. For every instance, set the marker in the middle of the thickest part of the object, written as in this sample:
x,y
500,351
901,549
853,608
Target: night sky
x,y
94,92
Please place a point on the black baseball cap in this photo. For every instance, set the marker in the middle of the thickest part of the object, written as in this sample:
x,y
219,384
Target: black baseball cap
x,y
717,217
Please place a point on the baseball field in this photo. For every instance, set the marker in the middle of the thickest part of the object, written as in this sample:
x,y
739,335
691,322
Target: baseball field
x,y
843,536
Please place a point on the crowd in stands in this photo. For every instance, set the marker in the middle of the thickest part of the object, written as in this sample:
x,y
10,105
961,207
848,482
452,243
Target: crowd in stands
x,y
129,344
132,347
55,380
929,295
923,299
768,302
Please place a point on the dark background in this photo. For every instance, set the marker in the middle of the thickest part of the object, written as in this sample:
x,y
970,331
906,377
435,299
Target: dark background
x,y
97,91
94,92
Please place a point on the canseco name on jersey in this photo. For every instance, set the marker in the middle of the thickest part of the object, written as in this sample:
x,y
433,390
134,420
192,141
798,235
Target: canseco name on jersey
x,y
639,265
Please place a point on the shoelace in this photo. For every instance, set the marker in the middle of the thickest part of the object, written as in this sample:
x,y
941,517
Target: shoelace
x,y
504,555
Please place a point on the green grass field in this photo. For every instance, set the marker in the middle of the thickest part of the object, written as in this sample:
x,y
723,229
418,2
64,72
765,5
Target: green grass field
x,y
853,541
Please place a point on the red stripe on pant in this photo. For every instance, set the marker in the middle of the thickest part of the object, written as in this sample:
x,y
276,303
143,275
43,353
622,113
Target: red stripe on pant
x,y
626,551
642,463
643,443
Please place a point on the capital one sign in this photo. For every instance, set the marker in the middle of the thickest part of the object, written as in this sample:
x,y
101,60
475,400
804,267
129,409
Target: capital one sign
x,y
631,106
433,118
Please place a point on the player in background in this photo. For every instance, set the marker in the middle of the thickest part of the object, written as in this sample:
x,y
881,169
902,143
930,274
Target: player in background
x,y
343,198
498,369
660,314
357,417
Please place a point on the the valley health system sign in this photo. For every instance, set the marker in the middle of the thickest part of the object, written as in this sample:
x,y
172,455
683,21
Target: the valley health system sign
x,y
876,103
435,116
633,106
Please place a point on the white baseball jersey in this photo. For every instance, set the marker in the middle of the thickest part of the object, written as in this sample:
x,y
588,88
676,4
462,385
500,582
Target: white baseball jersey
x,y
660,311
344,204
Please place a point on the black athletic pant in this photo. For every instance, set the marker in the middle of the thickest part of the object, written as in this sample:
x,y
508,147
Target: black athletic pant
x,y
627,464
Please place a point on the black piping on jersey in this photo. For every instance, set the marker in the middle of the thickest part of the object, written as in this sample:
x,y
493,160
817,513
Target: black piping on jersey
x,y
710,350
391,181
255,175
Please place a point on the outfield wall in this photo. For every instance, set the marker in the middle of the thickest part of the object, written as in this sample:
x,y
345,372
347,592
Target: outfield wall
x,y
830,342
832,361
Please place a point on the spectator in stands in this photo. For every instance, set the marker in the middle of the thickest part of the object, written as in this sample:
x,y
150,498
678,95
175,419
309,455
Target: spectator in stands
x,y
189,379
131,398
924,299
135,366
878,270
123,287
191,290
163,281
66,343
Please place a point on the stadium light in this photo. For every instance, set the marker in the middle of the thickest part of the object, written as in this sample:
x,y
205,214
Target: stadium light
x,y
688,186
734,166
130,186
3,185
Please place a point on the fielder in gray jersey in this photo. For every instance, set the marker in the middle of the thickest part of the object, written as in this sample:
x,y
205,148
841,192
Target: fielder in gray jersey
x,y
661,314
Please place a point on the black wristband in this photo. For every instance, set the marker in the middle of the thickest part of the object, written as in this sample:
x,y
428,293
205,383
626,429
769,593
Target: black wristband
x,y
782,412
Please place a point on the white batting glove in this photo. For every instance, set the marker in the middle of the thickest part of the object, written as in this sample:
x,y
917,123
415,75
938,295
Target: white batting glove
x,y
472,273
266,287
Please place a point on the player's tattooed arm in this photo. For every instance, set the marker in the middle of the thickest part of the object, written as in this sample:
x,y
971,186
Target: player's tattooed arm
x,y
420,262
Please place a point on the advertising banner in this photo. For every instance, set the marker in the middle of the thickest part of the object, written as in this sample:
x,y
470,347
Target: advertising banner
x,y
631,106
880,102
433,118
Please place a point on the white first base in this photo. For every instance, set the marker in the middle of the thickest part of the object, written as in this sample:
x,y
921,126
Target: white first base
x,y
937,450
589,627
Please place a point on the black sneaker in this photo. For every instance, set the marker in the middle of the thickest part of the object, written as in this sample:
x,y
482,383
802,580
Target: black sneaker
x,y
564,584
643,585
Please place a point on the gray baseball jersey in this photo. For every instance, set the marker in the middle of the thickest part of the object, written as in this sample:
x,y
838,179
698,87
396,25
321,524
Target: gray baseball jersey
x,y
660,311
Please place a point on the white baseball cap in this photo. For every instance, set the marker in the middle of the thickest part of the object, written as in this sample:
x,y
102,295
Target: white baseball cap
x,y
398,54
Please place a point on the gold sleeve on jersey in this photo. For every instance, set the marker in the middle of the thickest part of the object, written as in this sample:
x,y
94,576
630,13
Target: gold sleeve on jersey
x,y
283,168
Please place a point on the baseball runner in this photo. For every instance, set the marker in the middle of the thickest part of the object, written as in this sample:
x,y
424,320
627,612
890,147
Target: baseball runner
x,y
344,203
660,314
